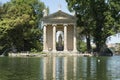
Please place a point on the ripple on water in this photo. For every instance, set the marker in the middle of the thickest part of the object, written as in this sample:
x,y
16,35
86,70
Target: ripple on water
x,y
60,68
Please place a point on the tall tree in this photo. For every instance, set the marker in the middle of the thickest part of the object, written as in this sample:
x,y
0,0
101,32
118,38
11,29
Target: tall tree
x,y
106,21
20,23
85,20
101,16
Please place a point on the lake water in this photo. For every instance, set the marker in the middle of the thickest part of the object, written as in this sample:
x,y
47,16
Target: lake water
x,y
60,68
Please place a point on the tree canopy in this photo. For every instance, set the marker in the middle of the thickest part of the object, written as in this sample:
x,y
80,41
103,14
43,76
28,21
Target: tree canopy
x,y
19,25
99,18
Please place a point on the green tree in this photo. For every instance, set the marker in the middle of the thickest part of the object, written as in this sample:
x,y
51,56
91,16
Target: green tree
x,y
99,16
104,20
85,20
19,24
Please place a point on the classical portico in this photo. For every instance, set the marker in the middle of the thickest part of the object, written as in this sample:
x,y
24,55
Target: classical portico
x,y
66,24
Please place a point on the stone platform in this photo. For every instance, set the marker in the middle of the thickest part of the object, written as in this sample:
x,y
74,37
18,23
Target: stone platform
x,y
47,54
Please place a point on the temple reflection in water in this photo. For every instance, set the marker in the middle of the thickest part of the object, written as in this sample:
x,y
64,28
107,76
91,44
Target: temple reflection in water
x,y
68,68
60,68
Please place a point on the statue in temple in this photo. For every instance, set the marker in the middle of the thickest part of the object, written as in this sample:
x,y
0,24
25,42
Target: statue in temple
x,y
60,40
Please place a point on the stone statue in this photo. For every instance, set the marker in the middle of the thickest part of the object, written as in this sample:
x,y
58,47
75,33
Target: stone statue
x,y
60,40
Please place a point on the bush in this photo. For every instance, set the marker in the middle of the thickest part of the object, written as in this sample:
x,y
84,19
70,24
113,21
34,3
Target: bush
x,y
33,50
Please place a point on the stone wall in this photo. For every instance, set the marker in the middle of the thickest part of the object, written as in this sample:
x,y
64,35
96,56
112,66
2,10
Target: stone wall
x,y
49,36
70,32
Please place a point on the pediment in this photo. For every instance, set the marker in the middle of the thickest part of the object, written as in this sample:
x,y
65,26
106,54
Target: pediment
x,y
58,17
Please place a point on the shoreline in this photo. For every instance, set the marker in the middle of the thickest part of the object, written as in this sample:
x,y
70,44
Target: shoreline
x,y
48,54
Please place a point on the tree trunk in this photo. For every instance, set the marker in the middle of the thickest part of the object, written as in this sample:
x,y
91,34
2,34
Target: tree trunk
x,y
88,43
99,45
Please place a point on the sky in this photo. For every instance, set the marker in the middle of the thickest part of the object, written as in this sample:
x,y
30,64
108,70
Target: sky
x,y
52,4
114,39
54,7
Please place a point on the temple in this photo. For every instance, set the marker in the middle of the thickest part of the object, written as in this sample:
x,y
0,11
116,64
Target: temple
x,y
64,23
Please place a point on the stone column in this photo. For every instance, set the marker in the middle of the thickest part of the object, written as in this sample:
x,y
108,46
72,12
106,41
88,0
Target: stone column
x,y
65,37
54,37
74,40
44,38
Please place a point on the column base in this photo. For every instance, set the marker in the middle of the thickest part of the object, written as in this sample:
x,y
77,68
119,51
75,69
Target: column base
x,y
54,51
75,51
66,51
45,51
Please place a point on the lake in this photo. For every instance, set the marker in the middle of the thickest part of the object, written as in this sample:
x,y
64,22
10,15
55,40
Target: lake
x,y
60,68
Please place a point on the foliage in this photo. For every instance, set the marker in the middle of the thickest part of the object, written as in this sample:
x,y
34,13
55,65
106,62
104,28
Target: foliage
x,y
99,18
33,50
19,21
81,46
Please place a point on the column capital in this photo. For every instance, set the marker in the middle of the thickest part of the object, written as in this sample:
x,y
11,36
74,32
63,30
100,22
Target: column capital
x,y
74,24
44,24
65,24
54,24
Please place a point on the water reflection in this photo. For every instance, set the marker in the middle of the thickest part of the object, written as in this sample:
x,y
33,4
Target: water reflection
x,y
60,68
80,68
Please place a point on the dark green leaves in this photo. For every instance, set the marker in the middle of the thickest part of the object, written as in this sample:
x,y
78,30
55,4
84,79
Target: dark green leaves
x,y
19,21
